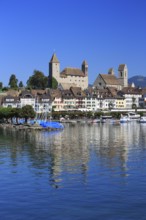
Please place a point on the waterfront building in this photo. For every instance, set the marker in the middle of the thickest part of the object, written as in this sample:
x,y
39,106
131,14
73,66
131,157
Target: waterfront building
x,y
27,98
79,95
69,75
11,101
74,98
57,101
69,100
132,96
43,104
120,103
142,100
90,101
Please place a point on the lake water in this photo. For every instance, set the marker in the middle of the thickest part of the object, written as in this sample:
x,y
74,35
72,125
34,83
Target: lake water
x,y
83,172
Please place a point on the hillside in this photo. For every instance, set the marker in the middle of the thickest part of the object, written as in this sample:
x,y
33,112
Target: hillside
x,y
139,81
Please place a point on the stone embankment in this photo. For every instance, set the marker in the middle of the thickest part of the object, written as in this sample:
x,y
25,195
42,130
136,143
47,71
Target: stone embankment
x,y
26,127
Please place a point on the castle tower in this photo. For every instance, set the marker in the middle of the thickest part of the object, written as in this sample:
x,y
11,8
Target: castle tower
x,y
54,69
85,68
123,75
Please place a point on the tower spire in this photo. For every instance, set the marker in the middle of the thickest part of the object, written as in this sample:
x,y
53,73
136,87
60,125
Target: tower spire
x,y
54,59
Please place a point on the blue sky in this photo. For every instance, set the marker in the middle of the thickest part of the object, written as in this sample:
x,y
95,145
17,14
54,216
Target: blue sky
x,y
105,33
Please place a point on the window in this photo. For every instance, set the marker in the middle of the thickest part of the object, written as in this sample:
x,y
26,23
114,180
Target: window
x,y
9,100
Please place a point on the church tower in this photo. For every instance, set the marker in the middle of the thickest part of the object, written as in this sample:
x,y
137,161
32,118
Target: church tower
x,y
123,75
54,69
111,72
85,68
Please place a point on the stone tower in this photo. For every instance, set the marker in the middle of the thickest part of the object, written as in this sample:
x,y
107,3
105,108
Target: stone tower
x,y
54,69
85,68
111,72
123,75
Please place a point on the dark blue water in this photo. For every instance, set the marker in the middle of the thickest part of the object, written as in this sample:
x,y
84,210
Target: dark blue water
x,y
83,172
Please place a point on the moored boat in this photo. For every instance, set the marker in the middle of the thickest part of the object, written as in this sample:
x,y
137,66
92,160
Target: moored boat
x,y
133,115
97,120
142,119
50,124
124,119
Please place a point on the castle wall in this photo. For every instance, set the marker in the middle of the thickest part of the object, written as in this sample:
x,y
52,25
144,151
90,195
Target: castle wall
x,y
79,81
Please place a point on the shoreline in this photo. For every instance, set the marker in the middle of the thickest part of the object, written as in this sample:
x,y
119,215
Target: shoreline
x,y
27,127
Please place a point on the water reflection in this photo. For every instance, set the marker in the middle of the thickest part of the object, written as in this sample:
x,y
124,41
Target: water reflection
x,y
72,151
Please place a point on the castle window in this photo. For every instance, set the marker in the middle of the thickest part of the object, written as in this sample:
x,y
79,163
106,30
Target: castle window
x,y
121,74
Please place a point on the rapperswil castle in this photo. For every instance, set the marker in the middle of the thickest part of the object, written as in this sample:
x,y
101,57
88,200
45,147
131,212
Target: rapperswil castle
x,y
72,76
79,77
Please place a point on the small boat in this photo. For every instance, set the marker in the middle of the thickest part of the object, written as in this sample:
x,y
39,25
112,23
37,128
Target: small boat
x,y
125,119
106,118
50,124
97,120
142,119
133,115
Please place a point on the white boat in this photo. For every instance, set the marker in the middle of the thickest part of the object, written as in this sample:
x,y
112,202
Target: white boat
x,y
97,120
133,115
106,118
142,119
125,119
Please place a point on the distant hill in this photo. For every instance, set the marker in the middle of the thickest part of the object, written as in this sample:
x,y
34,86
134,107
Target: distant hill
x,y
139,81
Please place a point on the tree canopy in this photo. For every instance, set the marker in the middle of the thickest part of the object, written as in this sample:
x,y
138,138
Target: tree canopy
x,y
13,82
27,111
1,85
20,84
8,113
54,83
38,80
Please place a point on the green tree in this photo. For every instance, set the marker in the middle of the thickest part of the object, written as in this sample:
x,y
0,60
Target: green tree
x,y
21,84
15,112
5,89
38,80
1,85
54,83
27,111
13,82
5,113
